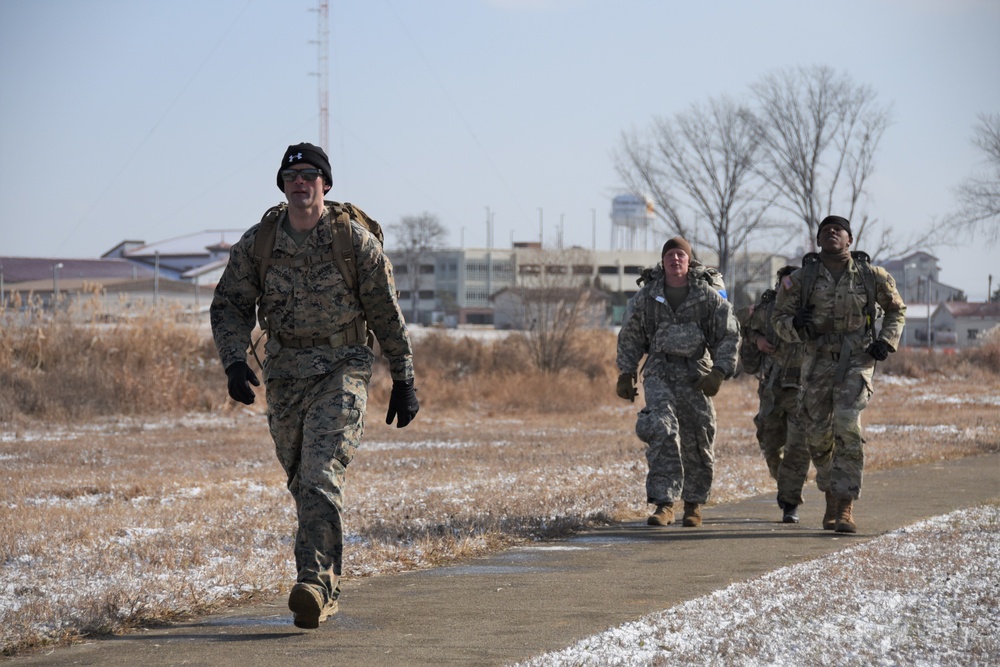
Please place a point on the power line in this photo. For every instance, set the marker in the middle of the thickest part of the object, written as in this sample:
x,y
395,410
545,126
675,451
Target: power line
x,y
455,108
113,181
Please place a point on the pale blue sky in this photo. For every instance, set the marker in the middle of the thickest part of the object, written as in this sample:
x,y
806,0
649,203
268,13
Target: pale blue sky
x,y
135,119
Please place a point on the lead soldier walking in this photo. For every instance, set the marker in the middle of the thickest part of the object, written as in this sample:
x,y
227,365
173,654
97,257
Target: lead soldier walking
x,y
317,280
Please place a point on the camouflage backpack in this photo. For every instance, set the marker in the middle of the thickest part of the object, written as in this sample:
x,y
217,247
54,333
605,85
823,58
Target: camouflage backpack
x,y
341,249
810,269
751,358
696,268
341,253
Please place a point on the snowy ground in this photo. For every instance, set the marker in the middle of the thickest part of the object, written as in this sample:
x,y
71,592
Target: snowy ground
x,y
928,594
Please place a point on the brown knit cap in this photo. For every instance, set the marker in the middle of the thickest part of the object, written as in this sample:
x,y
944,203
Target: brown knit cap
x,y
677,242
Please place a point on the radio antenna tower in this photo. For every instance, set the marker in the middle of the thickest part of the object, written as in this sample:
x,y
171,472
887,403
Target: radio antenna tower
x,y
322,74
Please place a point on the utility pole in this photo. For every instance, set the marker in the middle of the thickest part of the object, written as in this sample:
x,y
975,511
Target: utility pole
x,y
322,71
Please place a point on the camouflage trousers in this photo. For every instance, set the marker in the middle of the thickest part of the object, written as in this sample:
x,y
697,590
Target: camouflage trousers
x,y
830,416
678,427
782,441
316,423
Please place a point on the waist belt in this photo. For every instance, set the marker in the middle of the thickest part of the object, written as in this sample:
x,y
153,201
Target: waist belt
x,y
838,347
357,333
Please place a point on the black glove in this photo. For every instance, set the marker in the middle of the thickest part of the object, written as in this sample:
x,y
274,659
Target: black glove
x,y
626,387
803,317
879,350
403,405
239,375
711,383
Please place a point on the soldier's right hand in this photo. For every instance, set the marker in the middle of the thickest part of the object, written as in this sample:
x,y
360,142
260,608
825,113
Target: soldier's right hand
x,y
626,386
240,378
765,346
803,317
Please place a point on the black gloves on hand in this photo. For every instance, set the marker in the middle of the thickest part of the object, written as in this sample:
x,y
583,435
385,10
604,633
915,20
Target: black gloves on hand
x,y
403,405
711,383
239,375
803,317
626,387
879,350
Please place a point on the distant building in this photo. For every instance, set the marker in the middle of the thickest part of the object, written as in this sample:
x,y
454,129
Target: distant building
x,y
917,280
183,254
962,324
456,286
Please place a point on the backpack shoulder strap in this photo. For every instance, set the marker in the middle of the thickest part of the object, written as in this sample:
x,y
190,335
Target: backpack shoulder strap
x,y
343,243
810,269
263,243
863,262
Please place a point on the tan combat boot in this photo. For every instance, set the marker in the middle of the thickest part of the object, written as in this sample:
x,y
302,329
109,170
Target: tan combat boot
x,y
692,514
306,601
830,515
663,516
845,522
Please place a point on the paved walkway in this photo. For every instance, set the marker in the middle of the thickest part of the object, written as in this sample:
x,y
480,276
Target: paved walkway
x,y
534,599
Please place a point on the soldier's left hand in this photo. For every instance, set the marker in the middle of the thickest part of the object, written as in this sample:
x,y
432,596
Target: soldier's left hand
x,y
403,404
711,383
879,350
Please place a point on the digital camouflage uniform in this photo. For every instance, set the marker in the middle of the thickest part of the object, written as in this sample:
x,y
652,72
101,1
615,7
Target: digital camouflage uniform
x,y
678,422
781,439
316,395
830,410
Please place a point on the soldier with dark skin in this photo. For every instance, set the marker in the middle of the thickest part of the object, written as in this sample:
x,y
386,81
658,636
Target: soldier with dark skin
x,y
689,335
836,322
317,365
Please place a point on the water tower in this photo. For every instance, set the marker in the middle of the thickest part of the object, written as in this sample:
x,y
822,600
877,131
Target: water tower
x,y
631,220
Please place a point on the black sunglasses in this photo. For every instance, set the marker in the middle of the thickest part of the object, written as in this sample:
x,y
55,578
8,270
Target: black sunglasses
x,y
289,175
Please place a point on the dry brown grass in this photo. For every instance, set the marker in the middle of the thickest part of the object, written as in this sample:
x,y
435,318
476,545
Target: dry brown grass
x,y
171,503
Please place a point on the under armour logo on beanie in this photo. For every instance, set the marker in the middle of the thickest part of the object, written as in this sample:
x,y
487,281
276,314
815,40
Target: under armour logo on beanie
x,y
308,154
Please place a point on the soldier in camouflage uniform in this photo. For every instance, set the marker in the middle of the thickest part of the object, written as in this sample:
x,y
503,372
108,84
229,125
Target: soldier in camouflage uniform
x,y
836,321
317,365
690,338
777,364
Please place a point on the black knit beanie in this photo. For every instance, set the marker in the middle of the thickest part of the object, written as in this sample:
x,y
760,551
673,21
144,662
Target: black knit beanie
x,y
309,154
835,220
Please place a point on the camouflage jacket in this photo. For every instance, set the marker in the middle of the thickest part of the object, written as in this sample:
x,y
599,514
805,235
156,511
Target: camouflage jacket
x,y
703,331
782,367
839,310
311,301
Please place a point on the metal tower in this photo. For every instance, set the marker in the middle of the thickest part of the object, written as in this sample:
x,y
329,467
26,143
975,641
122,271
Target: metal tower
x,y
323,70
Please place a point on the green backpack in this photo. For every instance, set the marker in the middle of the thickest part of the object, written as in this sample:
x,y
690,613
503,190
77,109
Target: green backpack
x,y
341,249
341,252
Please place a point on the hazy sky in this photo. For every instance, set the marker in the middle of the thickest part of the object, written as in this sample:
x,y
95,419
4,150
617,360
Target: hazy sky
x,y
143,120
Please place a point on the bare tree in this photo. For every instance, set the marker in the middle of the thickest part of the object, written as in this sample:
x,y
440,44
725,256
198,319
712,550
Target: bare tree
x,y
820,132
557,303
700,168
416,237
979,195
